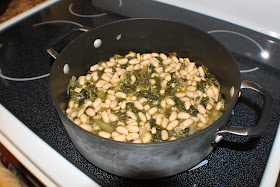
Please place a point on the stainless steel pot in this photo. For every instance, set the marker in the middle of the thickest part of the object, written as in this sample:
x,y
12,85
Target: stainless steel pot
x,y
153,160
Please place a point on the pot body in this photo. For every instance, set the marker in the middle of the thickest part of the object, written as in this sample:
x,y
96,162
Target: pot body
x,y
153,160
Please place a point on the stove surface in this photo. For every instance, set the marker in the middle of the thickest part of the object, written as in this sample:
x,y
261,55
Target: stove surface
x,y
25,67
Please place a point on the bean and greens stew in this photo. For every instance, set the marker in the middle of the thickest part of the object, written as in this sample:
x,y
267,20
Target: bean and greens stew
x,y
142,98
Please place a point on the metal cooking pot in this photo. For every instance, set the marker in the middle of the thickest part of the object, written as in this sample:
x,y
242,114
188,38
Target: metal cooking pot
x,y
153,160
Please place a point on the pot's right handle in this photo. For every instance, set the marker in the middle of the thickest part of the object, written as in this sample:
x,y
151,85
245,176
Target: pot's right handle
x,y
263,122
61,37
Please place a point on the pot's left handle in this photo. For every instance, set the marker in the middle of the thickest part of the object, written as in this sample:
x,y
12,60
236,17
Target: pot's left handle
x,y
263,122
61,37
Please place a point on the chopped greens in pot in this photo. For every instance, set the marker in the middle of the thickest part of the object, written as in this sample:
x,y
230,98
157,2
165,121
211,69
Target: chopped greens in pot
x,y
142,98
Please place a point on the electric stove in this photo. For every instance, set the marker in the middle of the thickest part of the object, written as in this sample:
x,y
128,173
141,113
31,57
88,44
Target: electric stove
x,y
31,128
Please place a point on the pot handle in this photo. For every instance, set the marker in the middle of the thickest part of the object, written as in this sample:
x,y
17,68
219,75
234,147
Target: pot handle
x,y
263,122
61,37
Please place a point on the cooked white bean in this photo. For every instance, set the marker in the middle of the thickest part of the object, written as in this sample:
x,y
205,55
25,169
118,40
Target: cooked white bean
x,y
123,61
138,105
133,61
94,67
132,136
163,56
120,95
169,101
201,109
154,130
137,141
142,117
219,105
113,117
173,116
77,90
191,66
137,67
172,124
165,122
133,128
187,105
94,76
105,117
158,120
180,94
154,62
201,71
131,115
148,116
184,115
81,112
201,118
130,68
210,92
175,59
90,112
187,123
121,72
146,137
189,94
120,138
86,127
114,134
152,111
113,104
104,134
164,135
77,121
122,130
71,104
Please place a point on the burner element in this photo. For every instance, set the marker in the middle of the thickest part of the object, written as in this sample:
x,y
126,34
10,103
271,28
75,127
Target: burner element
x,y
84,16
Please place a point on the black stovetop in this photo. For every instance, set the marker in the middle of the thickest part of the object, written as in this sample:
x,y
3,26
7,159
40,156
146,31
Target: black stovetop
x,y
236,161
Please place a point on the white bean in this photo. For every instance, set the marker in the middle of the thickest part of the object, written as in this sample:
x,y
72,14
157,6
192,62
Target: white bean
x,y
105,117
201,71
170,101
219,105
113,117
123,61
146,137
201,118
90,112
138,105
164,135
122,130
133,61
86,127
172,124
133,128
184,115
94,67
187,123
120,138
173,116
201,109
165,122
158,120
163,56
113,104
131,115
142,117
120,95
152,111
132,136
104,134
